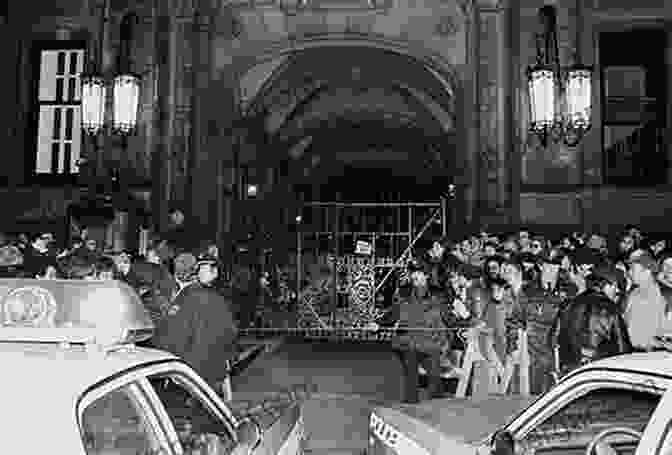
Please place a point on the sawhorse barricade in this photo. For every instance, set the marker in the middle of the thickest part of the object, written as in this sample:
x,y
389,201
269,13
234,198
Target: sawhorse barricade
x,y
481,367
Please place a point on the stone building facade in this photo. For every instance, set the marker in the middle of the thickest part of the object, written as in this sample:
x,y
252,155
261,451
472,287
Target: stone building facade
x,y
219,78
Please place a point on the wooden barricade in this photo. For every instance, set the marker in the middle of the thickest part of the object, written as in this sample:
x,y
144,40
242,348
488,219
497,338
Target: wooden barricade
x,y
482,367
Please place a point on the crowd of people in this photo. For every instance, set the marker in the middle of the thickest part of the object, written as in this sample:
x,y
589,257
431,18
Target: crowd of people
x,y
579,297
182,288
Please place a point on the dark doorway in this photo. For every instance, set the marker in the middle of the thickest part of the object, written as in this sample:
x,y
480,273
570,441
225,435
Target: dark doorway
x,y
353,183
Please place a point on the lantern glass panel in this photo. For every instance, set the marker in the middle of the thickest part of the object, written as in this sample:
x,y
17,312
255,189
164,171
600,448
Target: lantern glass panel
x,y
542,98
578,96
126,98
93,103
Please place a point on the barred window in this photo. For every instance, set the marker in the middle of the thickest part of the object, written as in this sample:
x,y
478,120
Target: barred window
x,y
59,139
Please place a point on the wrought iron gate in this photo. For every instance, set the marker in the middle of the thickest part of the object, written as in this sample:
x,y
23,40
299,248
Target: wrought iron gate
x,y
349,253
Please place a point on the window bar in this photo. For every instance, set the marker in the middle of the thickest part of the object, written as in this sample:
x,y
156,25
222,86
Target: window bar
x,y
54,157
60,65
56,135
72,95
67,157
59,90
73,63
69,123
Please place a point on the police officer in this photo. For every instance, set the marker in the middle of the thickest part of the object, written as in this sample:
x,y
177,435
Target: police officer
x,y
200,327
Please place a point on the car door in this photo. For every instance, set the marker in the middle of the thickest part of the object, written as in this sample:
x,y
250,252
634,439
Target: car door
x,y
194,416
658,437
568,418
116,418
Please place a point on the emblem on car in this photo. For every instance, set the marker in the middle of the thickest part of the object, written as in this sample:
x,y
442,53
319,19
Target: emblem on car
x,y
29,306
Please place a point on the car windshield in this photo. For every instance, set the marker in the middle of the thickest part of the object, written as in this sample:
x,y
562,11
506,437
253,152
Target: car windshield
x,y
117,424
191,413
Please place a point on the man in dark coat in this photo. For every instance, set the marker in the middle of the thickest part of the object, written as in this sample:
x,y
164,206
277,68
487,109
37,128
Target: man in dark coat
x,y
591,326
199,327
421,337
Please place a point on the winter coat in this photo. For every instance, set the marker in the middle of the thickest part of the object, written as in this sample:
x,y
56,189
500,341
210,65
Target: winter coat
x,y
536,311
421,324
645,316
589,328
200,328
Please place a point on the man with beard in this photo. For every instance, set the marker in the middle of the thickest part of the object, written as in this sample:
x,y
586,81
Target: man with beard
x,y
591,326
199,326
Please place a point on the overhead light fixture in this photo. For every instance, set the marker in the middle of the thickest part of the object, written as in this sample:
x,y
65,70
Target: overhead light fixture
x,y
126,97
93,100
560,98
125,90
252,190
126,85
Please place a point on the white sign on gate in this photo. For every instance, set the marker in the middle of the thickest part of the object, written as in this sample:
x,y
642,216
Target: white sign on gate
x,y
362,247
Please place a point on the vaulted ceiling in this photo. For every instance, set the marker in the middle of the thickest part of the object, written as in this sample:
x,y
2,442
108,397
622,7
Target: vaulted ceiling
x,y
338,106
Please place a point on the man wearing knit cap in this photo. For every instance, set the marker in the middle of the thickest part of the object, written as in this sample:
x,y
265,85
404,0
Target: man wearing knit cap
x,y
645,306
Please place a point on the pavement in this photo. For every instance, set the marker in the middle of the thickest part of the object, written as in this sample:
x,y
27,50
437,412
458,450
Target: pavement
x,y
346,380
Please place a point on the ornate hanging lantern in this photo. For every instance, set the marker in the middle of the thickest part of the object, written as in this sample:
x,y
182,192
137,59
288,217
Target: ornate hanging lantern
x,y
126,87
578,102
560,100
541,84
126,96
93,102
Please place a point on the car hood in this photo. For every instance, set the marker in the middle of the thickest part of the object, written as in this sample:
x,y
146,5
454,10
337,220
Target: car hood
x,y
461,420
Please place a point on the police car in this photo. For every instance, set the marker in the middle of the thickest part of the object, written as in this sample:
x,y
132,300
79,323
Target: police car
x,y
620,405
73,381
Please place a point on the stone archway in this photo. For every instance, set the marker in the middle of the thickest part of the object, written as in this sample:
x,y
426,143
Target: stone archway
x,y
286,108
269,60
302,76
